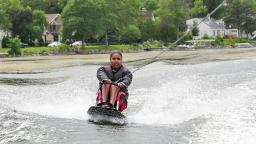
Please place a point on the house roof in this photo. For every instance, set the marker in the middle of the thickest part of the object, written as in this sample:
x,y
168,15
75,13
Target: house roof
x,y
212,23
215,24
52,17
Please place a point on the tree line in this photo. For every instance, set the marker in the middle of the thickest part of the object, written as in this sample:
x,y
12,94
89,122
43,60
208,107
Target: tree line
x,y
119,21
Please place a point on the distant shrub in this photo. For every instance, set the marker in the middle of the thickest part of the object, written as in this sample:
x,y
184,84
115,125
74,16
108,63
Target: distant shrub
x,y
152,44
219,41
63,48
229,42
15,45
185,38
43,52
241,40
205,36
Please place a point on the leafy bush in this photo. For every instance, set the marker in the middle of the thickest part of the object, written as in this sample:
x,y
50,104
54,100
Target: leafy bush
x,y
185,38
205,36
63,48
219,41
241,40
229,42
37,50
152,44
15,45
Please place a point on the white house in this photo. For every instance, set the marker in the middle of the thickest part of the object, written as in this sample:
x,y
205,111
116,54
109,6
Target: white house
x,y
211,27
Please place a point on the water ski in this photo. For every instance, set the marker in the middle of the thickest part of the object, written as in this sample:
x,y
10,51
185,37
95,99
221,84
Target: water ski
x,y
101,115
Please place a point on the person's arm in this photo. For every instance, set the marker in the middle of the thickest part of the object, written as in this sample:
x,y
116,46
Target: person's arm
x,y
127,79
102,76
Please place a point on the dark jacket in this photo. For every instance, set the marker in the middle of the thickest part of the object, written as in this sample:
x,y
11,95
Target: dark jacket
x,y
123,75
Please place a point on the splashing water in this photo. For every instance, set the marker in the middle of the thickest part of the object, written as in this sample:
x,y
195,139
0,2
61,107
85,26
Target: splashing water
x,y
223,93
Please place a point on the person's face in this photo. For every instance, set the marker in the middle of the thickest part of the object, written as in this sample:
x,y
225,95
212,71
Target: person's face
x,y
116,61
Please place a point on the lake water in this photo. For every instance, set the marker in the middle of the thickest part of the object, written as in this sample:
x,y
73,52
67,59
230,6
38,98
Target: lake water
x,y
210,103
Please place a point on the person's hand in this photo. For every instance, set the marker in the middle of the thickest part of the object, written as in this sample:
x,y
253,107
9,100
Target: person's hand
x,y
121,85
107,81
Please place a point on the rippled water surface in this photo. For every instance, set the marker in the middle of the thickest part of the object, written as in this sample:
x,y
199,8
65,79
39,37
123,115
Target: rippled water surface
x,y
213,103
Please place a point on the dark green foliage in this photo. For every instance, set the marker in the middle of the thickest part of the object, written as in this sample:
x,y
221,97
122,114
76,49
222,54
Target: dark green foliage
x,y
219,41
229,42
241,15
5,41
4,16
199,9
131,35
81,20
150,4
21,20
205,36
48,6
213,4
195,30
171,20
38,24
64,49
15,45
185,38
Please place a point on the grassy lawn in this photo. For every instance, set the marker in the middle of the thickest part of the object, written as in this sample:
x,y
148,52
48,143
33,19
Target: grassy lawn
x,y
36,50
30,50
112,47
253,42
42,50
4,50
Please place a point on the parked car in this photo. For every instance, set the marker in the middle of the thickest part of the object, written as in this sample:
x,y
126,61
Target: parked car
x,y
186,46
77,44
253,37
54,44
243,45
23,45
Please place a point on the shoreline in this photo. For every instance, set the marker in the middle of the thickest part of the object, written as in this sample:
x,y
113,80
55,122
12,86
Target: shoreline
x,y
44,63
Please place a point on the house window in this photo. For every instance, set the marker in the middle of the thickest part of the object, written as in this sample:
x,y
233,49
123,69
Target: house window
x,y
54,27
213,33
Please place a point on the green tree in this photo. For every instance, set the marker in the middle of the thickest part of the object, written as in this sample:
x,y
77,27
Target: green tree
x,y
241,15
249,25
199,9
148,29
118,15
195,30
21,20
85,19
34,4
48,6
171,20
81,20
15,4
5,23
212,4
39,23
131,34
151,4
